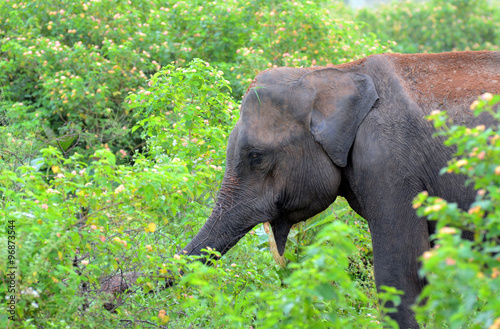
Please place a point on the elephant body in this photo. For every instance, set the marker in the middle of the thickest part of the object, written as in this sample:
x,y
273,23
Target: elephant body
x,y
358,130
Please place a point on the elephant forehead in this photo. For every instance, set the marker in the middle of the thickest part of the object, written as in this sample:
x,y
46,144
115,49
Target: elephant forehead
x,y
270,117
265,99
275,102
266,133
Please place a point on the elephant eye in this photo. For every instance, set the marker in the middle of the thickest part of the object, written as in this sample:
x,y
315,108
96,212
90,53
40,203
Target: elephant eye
x,y
254,157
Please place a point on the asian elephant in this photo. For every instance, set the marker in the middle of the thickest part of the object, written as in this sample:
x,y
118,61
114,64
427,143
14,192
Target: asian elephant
x,y
358,130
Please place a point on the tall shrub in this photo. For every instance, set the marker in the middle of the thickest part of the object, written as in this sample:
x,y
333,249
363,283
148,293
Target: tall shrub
x,y
463,275
436,25
66,67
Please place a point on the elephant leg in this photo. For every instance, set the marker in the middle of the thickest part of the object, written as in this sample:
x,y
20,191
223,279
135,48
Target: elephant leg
x,y
397,244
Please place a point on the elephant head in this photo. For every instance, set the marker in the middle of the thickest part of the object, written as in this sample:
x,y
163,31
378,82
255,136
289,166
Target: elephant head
x,y
286,153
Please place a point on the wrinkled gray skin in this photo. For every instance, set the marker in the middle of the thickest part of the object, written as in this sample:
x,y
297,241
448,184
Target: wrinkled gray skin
x,y
358,131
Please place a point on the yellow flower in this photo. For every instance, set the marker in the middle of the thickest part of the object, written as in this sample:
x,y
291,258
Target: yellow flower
x,y
448,230
487,97
496,324
119,189
437,207
474,210
427,255
450,261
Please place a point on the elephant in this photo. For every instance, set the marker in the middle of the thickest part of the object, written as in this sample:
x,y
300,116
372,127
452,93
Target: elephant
x,y
356,130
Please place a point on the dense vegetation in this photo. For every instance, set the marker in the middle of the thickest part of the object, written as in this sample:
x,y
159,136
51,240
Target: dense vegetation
x,y
435,25
112,146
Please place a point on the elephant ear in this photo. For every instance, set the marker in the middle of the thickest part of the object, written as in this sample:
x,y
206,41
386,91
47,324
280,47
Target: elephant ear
x,y
341,102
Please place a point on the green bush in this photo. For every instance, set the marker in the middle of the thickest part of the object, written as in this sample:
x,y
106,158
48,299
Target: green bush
x,y
318,293
75,223
109,164
463,275
299,33
66,68
76,218
436,25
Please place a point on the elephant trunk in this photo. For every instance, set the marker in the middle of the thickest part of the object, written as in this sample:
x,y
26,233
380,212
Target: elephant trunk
x,y
227,224
215,234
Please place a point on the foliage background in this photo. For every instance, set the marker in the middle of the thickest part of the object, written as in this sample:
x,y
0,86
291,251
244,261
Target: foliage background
x,y
112,147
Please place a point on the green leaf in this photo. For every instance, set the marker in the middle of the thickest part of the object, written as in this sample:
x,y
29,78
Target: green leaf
x,y
66,142
37,163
